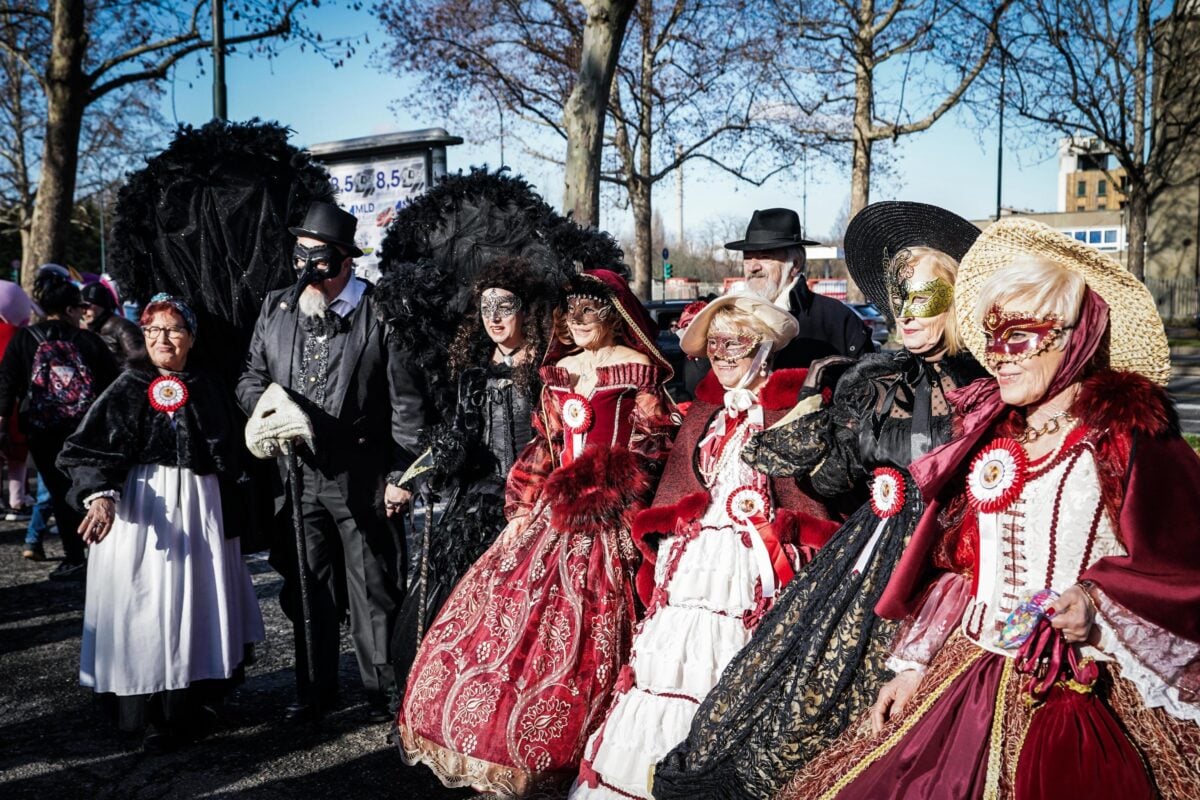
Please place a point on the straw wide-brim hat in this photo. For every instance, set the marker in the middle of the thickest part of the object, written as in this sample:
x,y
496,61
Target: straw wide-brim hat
x,y
1137,340
782,325
881,230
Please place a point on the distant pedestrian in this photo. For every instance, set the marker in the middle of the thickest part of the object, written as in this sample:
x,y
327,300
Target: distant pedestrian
x,y
170,605
39,527
15,311
102,316
54,371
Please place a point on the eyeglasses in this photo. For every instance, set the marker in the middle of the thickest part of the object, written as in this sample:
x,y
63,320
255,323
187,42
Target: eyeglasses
x,y
154,331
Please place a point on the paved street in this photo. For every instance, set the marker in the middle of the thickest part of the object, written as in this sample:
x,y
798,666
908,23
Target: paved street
x,y
55,744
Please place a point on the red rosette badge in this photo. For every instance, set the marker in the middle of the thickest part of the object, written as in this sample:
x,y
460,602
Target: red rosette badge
x,y
747,505
997,476
577,414
167,394
887,492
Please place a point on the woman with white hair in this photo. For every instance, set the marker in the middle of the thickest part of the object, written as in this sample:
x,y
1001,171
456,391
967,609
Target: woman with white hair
x,y
1051,642
718,543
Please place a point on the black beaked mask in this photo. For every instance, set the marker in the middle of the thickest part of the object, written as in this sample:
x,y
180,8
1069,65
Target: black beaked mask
x,y
314,265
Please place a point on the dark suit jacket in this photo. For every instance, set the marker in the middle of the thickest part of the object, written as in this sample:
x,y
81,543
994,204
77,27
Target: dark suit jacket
x,y
371,424
828,327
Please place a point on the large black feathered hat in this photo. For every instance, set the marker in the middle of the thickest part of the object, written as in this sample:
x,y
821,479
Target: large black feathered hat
x,y
436,246
881,230
207,220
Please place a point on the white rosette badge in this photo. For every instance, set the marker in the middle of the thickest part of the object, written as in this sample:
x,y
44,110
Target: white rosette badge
x,y
997,476
577,417
167,394
887,492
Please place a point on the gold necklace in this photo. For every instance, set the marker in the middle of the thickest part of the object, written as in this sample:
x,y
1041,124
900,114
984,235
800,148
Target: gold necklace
x,y
1050,427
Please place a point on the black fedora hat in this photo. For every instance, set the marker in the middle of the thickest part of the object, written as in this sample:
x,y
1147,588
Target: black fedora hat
x,y
327,222
771,229
881,230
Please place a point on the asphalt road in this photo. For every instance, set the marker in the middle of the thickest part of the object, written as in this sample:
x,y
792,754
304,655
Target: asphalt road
x,y
56,744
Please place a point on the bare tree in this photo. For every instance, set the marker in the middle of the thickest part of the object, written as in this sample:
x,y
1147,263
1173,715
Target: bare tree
x,y
690,84
1126,72
586,106
95,48
866,72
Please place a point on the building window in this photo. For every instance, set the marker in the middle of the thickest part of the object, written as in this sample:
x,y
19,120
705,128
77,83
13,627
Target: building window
x,y
1081,236
1110,236
1102,188
1124,183
1093,237
1081,188
1081,205
1101,204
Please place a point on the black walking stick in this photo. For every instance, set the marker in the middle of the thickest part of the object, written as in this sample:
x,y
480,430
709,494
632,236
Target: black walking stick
x,y
293,470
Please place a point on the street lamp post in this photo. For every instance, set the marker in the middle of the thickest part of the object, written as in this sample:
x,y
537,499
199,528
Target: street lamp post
x,y
218,54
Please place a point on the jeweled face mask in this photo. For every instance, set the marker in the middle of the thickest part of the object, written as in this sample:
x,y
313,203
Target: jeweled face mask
x,y
732,348
926,299
498,304
1018,335
583,309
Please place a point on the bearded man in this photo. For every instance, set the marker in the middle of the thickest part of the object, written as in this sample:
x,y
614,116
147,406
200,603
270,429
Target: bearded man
x,y
773,261
322,366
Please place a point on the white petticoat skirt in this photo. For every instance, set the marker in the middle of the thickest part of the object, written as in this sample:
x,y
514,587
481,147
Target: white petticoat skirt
x,y
169,600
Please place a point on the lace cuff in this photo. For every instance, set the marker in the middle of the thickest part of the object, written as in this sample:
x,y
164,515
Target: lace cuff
x,y
898,665
1163,667
923,634
111,494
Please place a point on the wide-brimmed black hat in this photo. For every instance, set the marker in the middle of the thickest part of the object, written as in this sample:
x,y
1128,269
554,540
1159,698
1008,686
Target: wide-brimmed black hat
x,y
771,229
881,230
327,222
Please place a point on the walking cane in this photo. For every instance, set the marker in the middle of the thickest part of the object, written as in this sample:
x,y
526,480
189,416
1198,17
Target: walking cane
x,y
293,470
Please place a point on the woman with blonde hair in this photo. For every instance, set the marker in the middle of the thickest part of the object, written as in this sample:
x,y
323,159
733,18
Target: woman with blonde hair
x,y
817,659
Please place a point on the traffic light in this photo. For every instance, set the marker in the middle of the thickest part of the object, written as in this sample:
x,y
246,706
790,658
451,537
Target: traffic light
x,y
666,270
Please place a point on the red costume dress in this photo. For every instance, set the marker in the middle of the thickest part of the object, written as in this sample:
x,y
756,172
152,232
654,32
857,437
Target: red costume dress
x,y
1113,506
516,671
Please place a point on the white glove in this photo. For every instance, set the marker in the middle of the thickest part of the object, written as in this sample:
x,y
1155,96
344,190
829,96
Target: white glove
x,y
276,421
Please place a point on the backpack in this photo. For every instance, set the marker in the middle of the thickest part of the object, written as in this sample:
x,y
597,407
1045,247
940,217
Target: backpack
x,y
61,387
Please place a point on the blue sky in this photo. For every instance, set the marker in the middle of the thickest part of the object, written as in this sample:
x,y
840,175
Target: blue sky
x,y
952,165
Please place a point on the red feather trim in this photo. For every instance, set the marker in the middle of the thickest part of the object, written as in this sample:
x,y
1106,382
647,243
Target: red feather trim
x,y
1125,404
796,527
781,391
600,490
648,525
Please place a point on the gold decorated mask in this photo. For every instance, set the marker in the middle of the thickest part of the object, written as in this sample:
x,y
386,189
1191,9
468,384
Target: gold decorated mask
x,y
926,299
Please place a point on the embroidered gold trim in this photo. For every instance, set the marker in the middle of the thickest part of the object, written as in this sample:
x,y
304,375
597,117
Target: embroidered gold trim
x,y
911,720
991,787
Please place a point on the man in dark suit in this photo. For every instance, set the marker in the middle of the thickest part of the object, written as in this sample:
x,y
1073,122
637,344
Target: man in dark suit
x,y
329,354
773,261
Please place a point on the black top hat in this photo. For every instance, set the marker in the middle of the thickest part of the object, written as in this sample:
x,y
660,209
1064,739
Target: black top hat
x,y
771,229
331,224
881,230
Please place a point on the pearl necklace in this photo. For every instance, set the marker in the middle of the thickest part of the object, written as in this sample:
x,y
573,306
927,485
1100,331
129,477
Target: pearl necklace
x,y
731,451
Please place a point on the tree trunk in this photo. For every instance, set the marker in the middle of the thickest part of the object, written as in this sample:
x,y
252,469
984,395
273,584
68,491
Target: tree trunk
x,y
66,98
864,92
1136,211
643,237
587,106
